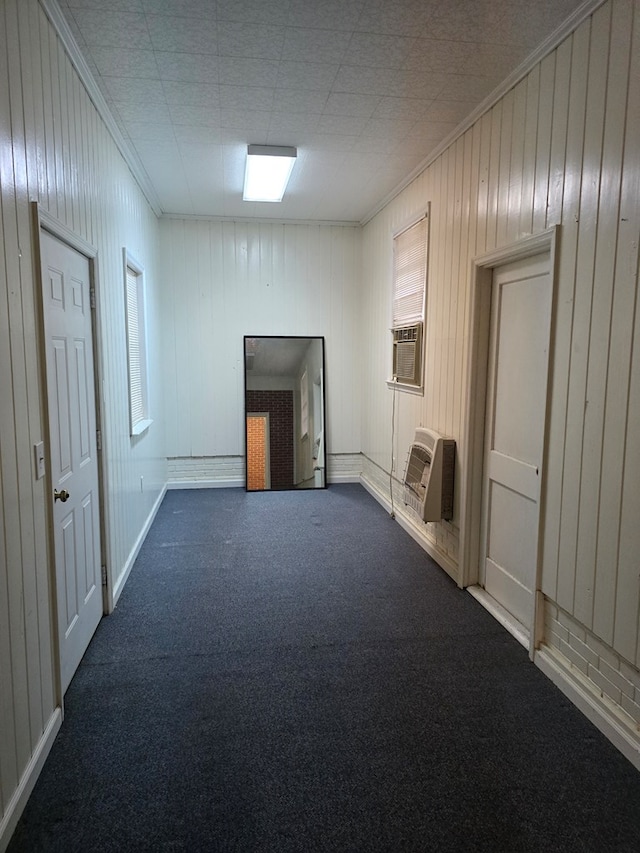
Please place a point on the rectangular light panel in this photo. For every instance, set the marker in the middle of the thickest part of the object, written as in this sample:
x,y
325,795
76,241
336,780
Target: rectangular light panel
x,y
267,172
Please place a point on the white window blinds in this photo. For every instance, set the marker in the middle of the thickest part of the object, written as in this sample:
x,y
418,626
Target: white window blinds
x,y
136,396
409,275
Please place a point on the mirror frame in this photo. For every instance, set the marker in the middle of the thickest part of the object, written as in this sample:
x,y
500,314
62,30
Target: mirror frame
x,y
308,452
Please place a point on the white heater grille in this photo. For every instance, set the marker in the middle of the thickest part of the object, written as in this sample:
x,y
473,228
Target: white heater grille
x,y
429,475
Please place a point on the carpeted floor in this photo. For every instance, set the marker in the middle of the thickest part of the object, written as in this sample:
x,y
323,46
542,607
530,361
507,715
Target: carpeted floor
x,y
289,671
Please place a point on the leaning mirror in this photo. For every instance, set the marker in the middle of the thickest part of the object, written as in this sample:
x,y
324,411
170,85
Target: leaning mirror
x,y
284,413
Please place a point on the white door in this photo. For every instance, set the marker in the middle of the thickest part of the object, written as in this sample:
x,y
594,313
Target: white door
x,y
514,432
73,452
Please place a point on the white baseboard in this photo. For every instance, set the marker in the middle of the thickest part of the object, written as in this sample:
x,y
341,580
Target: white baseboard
x,y
335,479
500,614
598,709
121,581
235,483
413,529
18,801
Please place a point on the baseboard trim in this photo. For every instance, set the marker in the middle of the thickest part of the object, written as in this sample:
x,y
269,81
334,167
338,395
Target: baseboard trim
x,y
119,584
500,614
234,483
336,479
601,712
414,530
18,801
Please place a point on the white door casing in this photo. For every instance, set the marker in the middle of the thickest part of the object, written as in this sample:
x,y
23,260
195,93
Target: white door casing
x,y
514,433
73,448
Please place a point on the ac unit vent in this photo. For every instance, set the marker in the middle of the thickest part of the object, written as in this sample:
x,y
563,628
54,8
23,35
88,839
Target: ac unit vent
x,y
407,352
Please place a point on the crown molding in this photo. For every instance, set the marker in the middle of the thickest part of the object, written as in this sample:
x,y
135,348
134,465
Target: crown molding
x,y
544,49
54,14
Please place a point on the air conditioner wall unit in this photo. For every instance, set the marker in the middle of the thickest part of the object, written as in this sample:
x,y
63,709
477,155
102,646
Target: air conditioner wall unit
x,y
407,354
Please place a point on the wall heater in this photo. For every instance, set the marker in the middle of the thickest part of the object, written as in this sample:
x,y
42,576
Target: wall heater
x,y
429,475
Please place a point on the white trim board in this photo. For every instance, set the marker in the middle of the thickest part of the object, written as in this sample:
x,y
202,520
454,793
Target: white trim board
x,y
234,483
601,712
413,528
18,801
119,584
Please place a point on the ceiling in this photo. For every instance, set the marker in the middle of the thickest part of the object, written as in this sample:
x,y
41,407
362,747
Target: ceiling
x,y
365,89
275,356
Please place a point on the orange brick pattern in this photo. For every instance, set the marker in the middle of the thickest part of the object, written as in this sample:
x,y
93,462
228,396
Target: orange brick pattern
x,y
279,404
256,454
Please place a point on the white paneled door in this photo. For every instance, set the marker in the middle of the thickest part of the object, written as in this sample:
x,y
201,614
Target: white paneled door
x,y
74,463
514,432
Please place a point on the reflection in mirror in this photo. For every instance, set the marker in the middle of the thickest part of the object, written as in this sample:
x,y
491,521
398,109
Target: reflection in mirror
x,y
284,413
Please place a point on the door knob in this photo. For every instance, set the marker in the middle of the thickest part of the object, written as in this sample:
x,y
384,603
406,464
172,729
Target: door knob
x,y
61,496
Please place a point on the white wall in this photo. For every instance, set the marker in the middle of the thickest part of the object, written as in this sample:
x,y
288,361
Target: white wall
x,y
223,280
562,147
56,150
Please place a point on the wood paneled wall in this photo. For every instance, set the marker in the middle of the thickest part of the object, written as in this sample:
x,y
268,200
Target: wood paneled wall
x,y
223,280
54,149
561,147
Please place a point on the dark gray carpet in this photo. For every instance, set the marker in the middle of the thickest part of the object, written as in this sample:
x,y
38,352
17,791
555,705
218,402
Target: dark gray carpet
x,y
289,671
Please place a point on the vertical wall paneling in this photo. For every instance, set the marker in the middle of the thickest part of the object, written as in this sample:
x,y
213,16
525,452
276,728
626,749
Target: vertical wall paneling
x,y
600,323
584,277
623,344
560,148
236,279
56,150
564,303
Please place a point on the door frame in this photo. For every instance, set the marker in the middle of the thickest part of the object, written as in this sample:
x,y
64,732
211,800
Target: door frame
x,y
473,439
44,221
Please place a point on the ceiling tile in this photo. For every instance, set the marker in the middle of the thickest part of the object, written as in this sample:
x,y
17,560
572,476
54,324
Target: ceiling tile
x,y
130,90
350,103
235,71
364,88
338,14
347,125
188,8
191,67
292,123
299,101
400,17
331,142
302,45
467,87
114,5
465,20
196,115
448,111
275,12
368,81
197,133
246,97
113,29
440,57
140,111
379,51
184,35
306,75
250,40
121,62
252,122
388,128
195,94
401,108
140,130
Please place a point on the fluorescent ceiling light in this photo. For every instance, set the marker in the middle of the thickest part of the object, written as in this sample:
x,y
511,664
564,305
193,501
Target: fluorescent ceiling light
x,y
267,172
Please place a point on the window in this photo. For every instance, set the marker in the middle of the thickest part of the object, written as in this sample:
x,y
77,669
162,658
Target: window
x,y
139,419
409,287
